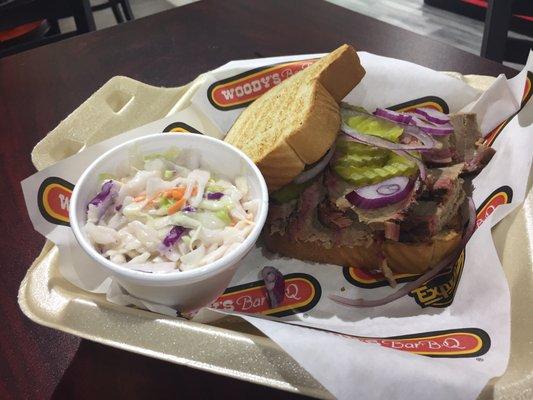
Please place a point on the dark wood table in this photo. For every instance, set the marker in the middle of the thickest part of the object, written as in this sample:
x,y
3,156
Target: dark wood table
x,y
40,87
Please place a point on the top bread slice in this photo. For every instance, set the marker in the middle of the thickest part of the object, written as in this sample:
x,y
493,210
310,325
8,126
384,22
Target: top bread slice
x,y
297,121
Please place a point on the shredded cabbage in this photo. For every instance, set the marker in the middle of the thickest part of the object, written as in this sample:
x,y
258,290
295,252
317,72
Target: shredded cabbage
x,y
163,213
216,205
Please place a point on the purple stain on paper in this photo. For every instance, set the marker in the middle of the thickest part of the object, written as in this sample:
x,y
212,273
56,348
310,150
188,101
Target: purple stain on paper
x,y
274,285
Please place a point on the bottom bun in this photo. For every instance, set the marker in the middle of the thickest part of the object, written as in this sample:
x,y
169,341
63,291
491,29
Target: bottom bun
x,y
402,258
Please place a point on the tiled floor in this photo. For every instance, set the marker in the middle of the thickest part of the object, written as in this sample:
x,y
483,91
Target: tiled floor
x,y
444,26
415,16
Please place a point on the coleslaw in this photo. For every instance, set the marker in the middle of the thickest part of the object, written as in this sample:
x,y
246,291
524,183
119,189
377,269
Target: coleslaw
x,y
167,214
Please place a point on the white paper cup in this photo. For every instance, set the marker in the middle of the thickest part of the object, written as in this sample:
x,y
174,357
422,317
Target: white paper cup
x,y
188,290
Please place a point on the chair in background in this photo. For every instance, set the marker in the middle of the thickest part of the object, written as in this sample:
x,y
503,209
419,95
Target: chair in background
x,y
24,33
44,14
500,16
117,12
496,44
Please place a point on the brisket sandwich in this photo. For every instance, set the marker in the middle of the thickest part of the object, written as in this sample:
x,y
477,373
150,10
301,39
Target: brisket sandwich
x,y
384,191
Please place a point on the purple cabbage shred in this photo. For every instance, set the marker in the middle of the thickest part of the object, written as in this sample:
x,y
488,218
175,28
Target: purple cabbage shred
x,y
173,236
188,209
214,196
274,285
103,194
102,201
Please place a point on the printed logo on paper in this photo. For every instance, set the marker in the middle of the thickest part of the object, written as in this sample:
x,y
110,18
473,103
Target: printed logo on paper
x,y
302,293
433,102
502,195
367,280
241,90
53,200
491,137
453,343
181,127
439,291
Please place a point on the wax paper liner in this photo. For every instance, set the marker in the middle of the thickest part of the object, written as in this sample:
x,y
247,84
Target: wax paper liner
x,y
454,330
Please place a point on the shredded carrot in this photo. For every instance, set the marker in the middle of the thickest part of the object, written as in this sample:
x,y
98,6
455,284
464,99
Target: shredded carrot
x,y
175,193
139,198
177,206
178,193
194,191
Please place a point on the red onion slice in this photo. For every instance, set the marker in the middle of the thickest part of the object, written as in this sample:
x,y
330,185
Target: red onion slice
x,y
469,230
421,135
274,285
439,161
433,115
381,194
430,128
315,169
394,116
427,141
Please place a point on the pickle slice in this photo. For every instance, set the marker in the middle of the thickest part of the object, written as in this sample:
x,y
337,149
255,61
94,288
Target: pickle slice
x,y
290,192
362,164
368,175
350,147
374,126
363,160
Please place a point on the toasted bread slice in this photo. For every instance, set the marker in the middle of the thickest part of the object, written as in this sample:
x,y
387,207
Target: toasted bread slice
x,y
296,122
402,258
338,72
286,129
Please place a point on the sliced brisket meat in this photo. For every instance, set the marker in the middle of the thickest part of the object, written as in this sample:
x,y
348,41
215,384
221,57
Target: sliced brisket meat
x,y
437,207
329,215
279,214
441,180
392,230
482,157
281,211
306,208
468,143
300,220
376,218
337,189
465,136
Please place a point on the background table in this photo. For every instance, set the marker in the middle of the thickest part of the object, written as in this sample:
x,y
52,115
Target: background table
x,y
40,87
